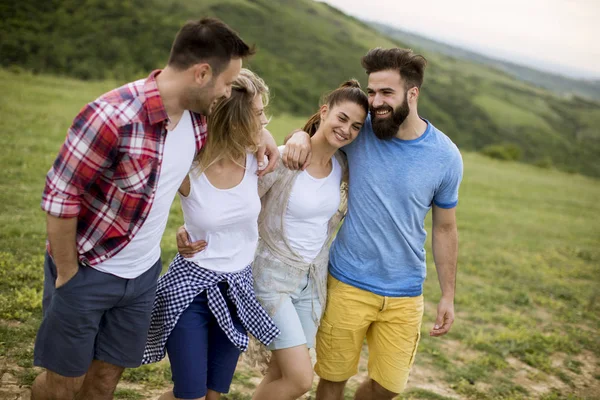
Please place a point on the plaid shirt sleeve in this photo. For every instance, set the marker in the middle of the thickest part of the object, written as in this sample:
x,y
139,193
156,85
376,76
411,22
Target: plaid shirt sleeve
x,y
89,148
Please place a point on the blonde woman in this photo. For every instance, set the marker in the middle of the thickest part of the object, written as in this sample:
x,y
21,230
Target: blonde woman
x,y
300,214
206,304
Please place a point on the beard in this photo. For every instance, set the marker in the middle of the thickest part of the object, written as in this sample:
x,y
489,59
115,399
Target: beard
x,y
386,128
200,100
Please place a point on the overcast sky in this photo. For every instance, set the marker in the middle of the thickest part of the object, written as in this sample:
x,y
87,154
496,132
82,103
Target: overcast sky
x,y
557,35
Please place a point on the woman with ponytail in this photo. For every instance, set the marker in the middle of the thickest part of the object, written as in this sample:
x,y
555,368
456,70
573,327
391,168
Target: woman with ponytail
x,y
301,211
300,215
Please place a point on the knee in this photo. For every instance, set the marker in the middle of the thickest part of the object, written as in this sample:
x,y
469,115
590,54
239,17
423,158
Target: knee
x,y
103,379
49,385
305,382
103,385
302,382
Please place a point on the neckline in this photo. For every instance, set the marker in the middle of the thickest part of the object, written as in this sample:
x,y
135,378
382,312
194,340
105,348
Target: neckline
x,y
247,167
185,117
417,140
333,162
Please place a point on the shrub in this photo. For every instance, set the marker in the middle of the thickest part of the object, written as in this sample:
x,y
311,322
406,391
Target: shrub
x,y
505,151
545,162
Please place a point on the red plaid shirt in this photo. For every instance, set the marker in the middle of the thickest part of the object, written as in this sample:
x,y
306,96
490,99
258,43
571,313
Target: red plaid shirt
x,y
108,167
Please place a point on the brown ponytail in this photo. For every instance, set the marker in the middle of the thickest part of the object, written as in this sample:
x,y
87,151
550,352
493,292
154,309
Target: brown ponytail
x,y
347,91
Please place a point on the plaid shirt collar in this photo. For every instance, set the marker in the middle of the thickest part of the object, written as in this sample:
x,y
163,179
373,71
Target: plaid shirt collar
x,y
154,104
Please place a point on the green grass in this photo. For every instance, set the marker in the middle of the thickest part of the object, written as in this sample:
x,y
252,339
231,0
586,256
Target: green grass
x,y
503,112
529,261
128,394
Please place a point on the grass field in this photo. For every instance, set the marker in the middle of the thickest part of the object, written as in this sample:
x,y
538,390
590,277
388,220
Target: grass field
x,y
528,309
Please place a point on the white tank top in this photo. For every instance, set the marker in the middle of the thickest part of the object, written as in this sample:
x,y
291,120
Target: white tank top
x,y
226,218
312,203
143,251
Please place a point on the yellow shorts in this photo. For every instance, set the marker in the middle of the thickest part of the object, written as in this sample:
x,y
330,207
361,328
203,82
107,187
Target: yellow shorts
x,y
392,326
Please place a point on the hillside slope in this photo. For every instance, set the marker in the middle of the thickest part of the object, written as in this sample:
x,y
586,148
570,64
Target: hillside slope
x,y
305,49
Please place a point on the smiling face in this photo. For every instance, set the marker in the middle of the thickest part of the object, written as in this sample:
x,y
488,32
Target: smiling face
x,y
342,122
388,102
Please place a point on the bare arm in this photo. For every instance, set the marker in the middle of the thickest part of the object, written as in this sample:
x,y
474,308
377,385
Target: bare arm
x,y
267,147
62,237
445,254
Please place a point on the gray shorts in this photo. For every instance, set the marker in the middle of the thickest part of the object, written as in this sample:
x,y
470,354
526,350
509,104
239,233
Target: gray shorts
x,y
94,316
294,318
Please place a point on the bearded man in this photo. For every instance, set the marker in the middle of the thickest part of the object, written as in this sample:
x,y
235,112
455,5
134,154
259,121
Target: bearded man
x,y
401,167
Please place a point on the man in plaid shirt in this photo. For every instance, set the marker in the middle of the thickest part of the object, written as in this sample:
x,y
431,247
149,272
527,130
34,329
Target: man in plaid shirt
x,y
107,199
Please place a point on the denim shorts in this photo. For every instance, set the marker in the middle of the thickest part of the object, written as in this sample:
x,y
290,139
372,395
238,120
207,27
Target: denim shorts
x,y
294,317
94,316
201,355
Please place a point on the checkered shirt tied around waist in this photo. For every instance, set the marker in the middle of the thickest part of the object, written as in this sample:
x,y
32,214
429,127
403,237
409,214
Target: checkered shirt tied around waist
x,y
107,170
183,282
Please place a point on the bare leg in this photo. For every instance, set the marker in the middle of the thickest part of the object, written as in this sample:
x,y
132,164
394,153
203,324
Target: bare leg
x,y
167,396
295,372
328,390
100,381
50,386
212,395
371,390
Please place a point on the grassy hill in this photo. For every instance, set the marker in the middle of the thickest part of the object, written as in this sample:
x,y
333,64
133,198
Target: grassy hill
x,y
305,49
528,311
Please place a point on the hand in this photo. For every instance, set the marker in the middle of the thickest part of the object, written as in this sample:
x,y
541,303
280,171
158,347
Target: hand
x,y
267,147
186,248
64,275
445,317
298,151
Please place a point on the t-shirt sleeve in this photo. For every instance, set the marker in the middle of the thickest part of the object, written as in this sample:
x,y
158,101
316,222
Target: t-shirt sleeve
x,y
446,196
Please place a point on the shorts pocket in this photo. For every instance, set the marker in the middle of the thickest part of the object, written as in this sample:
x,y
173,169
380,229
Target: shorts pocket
x,y
72,281
323,341
414,351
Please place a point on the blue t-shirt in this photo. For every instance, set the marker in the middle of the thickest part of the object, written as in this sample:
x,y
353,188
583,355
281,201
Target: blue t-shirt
x,y
393,183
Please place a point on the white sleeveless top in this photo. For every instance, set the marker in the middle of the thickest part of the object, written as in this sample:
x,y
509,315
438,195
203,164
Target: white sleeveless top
x,y
313,201
227,219
143,251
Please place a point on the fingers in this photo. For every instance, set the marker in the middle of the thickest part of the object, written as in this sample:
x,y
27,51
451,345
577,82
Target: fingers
x,y
301,158
273,159
441,328
260,156
292,159
284,156
192,249
307,162
182,237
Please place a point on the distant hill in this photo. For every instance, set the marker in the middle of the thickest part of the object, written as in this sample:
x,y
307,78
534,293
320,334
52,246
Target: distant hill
x,y
560,84
305,48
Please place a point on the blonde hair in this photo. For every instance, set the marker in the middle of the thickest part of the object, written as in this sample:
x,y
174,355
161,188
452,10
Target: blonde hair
x,y
234,127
